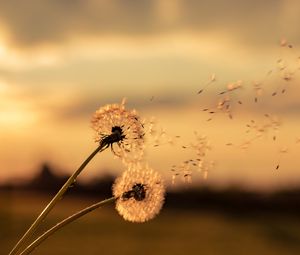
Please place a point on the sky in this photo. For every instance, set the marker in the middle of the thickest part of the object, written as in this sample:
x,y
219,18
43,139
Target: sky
x,y
61,60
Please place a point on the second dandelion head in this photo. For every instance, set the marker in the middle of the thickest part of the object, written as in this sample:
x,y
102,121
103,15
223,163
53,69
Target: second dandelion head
x,y
140,192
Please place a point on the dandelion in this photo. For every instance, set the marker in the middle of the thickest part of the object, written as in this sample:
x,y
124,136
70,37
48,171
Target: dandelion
x,y
113,124
116,125
140,191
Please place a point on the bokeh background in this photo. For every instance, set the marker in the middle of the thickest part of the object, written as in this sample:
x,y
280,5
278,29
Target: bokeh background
x,y
173,60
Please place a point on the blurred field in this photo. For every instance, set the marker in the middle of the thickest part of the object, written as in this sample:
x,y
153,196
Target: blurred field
x,y
172,232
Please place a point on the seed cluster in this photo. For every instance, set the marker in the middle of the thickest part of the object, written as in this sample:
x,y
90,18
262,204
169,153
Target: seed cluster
x,y
140,191
120,129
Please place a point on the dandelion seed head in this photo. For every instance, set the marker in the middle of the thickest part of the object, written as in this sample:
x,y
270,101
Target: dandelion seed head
x,y
141,192
116,125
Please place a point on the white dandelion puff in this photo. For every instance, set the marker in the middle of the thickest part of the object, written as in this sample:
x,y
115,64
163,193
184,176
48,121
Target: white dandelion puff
x,y
116,125
140,192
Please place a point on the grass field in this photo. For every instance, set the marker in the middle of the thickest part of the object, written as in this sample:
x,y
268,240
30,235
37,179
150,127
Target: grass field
x,y
172,232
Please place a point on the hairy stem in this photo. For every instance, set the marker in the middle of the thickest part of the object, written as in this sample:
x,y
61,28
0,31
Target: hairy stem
x,y
63,223
54,201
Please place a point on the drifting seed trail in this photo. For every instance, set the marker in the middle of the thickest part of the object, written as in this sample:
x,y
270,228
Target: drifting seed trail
x,y
212,79
281,152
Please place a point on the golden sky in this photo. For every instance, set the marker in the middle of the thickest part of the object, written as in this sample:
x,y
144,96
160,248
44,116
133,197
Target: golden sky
x,y
61,60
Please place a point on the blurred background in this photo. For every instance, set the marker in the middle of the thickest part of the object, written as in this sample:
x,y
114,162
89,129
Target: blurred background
x,y
217,77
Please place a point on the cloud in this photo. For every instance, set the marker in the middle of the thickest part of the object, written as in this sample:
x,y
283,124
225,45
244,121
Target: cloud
x,y
37,22
33,22
84,105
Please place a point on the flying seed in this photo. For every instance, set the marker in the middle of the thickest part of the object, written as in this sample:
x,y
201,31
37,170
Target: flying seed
x,y
211,80
283,42
213,77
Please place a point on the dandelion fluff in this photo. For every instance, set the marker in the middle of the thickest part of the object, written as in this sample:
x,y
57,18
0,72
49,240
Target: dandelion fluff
x,y
116,125
140,191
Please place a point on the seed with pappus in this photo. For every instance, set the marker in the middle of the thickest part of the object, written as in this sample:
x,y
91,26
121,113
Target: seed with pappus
x,y
116,125
140,192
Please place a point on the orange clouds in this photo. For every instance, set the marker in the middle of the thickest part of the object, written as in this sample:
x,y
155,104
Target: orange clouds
x,y
61,60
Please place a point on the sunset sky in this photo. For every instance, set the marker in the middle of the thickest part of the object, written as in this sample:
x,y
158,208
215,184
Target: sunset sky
x,y
61,60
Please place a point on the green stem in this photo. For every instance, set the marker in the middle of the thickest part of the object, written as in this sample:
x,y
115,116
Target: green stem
x,y
63,223
54,201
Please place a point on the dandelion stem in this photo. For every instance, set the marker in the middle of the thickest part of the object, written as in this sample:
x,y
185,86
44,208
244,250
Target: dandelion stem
x,y
55,200
63,223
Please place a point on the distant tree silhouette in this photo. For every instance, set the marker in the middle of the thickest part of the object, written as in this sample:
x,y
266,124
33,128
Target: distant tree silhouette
x,y
46,180
231,200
